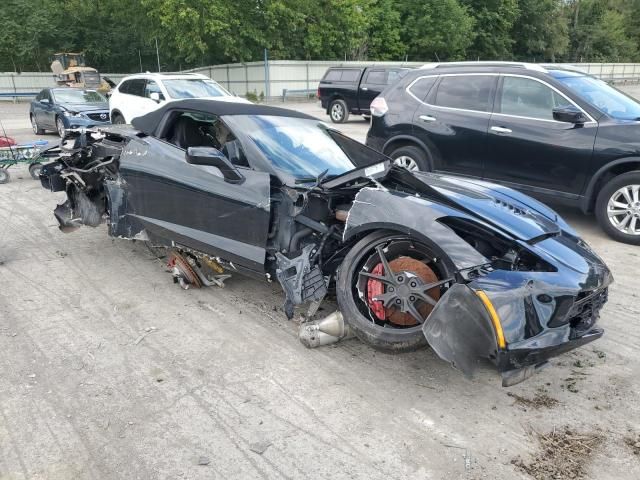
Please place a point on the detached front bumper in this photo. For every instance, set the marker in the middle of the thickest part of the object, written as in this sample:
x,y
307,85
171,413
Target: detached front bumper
x,y
518,320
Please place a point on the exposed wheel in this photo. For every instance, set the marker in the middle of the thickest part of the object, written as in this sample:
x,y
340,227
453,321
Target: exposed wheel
x,y
34,170
117,119
60,127
4,176
618,208
411,157
34,125
338,111
388,285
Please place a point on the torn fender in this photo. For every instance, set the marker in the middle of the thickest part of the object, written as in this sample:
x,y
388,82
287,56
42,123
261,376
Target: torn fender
x,y
378,208
459,329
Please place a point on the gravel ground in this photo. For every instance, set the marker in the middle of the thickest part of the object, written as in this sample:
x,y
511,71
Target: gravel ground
x,y
109,370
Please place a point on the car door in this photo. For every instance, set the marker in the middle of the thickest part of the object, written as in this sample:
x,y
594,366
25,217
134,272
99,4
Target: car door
x,y
372,84
135,100
530,150
193,205
453,119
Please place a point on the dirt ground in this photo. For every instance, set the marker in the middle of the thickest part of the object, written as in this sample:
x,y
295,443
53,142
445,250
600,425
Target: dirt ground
x,y
108,370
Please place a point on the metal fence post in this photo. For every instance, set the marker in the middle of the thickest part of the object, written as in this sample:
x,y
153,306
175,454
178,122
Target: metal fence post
x,y
307,76
246,78
13,82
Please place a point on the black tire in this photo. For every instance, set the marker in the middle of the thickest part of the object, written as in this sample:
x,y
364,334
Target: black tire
x,y
4,176
338,111
34,170
117,119
411,155
612,191
34,125
356,312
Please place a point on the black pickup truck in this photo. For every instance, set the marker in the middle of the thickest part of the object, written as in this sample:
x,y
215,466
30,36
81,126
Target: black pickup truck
x,y
345,90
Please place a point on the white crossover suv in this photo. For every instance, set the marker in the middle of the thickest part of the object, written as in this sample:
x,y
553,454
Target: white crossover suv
x,y
139,94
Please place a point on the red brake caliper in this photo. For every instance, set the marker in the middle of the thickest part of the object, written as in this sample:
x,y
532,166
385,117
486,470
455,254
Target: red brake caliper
x,y
375,288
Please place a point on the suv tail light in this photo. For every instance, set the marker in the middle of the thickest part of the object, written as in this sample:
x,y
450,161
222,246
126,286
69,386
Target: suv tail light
x,y
318,93
379,107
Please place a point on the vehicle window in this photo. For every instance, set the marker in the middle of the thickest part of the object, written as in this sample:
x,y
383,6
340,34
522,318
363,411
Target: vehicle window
x,y
194,88
124,88
152,87
73,95
136,87
469,92
604,97
350,75
301,148
525,97
393,75
40,96
376,77
333,75
198,129
421,88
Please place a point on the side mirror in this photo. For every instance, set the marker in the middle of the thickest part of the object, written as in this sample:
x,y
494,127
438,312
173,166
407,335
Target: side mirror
x,y
44,101
156,97
214,158
569,114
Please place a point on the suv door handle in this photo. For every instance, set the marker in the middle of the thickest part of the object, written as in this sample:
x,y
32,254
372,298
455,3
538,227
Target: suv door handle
x,y
427,118
501,130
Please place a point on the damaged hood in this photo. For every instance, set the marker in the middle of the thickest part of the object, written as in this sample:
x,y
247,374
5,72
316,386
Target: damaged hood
x,y
505,208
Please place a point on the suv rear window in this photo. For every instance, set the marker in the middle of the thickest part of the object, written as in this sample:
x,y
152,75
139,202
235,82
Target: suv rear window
x,y
421,88
468,92
133,87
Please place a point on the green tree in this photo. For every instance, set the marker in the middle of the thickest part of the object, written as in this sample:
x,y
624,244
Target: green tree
x,y
541,30
435,30
494,21
600,31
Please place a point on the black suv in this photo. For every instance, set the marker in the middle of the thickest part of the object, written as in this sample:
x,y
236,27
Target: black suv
x,y
345,90
552,132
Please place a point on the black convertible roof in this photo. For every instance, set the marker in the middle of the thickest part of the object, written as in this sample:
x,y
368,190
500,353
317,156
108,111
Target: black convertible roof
x,y
149,122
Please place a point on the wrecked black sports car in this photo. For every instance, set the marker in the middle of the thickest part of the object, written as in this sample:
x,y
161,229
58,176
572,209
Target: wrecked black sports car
x,y
475,270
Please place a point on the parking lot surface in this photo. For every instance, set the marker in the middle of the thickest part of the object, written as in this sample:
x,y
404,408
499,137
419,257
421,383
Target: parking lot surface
x,y
109,370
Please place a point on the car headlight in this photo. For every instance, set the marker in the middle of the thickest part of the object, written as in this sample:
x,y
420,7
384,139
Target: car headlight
x,y
71,114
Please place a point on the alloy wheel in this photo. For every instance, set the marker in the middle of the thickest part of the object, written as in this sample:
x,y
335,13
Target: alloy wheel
x,y
400,283
60,127
407,162
34,125
623,209
337,112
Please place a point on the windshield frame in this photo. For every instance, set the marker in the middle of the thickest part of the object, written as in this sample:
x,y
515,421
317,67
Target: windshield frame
x,y
565,81
258,160
57,100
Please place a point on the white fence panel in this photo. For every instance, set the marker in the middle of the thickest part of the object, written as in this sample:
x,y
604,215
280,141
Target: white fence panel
x,y
281,75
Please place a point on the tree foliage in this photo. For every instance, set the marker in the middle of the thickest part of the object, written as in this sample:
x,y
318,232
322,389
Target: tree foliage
x,y
120,35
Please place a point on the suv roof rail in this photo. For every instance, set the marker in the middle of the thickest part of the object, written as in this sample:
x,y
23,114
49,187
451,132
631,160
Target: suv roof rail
x,y
529,66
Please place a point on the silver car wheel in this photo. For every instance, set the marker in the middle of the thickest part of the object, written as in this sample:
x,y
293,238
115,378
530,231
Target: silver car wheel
x,y
337,112
407,162
60,126
34,125
623,209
